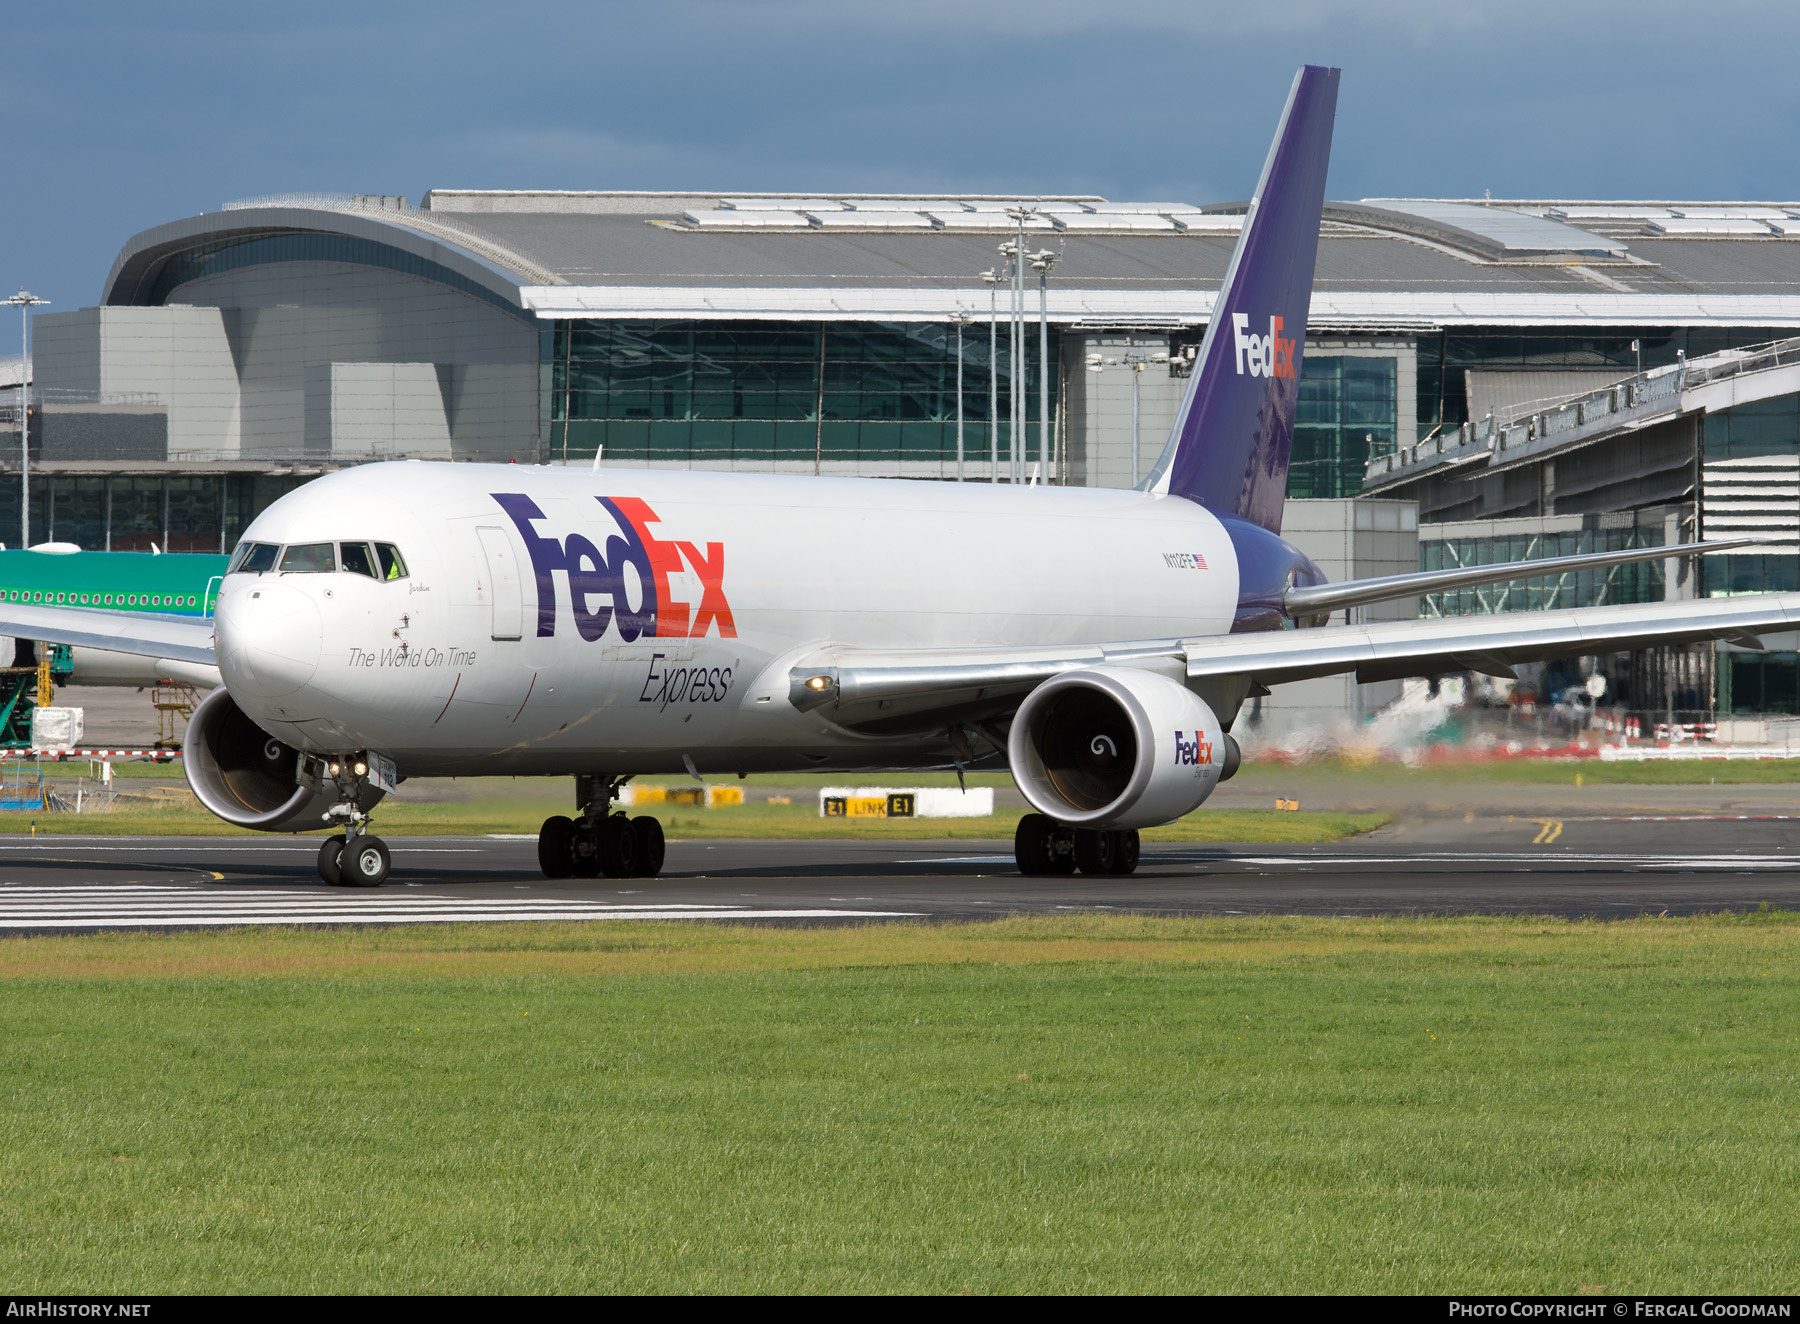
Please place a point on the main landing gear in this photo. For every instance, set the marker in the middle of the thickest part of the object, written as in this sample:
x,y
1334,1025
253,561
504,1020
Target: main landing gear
x,y
355,859
600,841
1044,846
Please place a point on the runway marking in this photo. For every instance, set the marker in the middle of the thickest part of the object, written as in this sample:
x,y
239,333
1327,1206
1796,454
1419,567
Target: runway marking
x,y
189,848
1686,818
141,905
1549,830
1559,862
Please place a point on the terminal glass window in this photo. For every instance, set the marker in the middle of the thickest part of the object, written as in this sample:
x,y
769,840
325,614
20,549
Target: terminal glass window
x,y
1346,414
838,393
193,514
1446,357
1767,427
1759,682
1749,488
1639,582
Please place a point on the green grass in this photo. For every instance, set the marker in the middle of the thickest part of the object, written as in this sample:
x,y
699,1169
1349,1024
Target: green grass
x,y
1125,1104
761,821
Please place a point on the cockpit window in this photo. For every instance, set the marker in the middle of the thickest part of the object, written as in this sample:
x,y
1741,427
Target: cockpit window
x,y
309,558
392,566
253,558
354,557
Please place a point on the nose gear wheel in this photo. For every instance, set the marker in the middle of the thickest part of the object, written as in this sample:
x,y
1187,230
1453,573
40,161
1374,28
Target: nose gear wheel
x,y
365,862
329,851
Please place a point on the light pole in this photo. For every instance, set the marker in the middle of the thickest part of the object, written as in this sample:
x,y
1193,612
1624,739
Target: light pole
x,y
1017,258
1137,363
1041,262
25,301
959,319
1010,251
992,279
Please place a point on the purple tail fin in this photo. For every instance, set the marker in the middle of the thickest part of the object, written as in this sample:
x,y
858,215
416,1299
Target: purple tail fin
x,y
1232,439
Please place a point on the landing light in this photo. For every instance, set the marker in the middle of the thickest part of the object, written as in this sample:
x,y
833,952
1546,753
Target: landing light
x,y
335,769
362,769
817,682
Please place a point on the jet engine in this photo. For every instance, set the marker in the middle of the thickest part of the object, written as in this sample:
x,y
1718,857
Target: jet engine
x,y
247,777
1115,747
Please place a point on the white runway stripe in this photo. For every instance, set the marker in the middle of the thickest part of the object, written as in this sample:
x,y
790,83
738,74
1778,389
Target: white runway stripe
x,y
1547,860
147,906
207,919
86,846
317,896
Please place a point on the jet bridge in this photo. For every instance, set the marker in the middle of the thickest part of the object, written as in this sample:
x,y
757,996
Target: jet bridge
x,y
1755,496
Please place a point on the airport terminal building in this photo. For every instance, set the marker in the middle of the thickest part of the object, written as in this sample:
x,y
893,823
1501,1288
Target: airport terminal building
x,y
235,354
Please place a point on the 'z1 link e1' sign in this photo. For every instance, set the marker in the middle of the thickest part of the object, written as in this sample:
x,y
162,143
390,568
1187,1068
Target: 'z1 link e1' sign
x,y
600,595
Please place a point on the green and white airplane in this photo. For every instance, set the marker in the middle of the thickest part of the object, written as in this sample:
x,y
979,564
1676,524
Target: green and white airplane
x,y
179,586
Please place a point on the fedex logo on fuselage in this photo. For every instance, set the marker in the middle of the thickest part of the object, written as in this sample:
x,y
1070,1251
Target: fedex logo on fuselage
x,y
600,591
1265,356
1197,752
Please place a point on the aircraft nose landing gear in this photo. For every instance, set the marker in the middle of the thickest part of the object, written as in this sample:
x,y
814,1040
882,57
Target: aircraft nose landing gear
x,y
355,859
600,841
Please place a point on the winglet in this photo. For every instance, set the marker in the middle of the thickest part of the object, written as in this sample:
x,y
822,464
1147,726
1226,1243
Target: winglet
x,y
1232,439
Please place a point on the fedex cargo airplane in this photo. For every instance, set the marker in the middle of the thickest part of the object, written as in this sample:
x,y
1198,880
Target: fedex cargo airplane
x,y
419,620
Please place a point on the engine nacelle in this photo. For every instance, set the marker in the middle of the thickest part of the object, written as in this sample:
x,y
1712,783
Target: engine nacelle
x,y
249,778
1115,747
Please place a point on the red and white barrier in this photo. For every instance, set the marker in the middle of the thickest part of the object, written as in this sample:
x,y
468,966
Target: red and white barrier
x,y
1674,734
60,755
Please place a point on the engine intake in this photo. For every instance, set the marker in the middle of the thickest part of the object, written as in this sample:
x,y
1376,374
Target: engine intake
x,y
246,776
1115,747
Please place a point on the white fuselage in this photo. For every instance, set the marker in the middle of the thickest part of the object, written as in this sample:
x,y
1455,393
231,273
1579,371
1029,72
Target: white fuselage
x,y
459,668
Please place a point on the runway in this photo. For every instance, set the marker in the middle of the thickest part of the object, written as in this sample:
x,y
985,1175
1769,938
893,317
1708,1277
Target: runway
x,y
1607,866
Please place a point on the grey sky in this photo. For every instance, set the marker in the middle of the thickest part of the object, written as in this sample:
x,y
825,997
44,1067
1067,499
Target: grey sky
x,y
118,117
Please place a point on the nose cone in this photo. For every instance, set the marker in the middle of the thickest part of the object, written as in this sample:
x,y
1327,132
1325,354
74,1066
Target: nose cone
x,y
269,639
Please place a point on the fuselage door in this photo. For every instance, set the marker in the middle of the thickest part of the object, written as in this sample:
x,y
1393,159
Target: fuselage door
x,y
503,581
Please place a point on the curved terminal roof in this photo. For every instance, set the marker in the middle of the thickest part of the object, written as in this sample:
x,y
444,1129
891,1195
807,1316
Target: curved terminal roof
x,y
1494,232
1383,263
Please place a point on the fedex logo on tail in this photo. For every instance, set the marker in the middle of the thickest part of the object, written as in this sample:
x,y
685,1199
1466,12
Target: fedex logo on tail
x,y
1265,356
633,566
1197,752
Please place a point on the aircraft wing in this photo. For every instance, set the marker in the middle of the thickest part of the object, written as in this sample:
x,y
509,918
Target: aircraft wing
x,y
1317,598
896,692
176,638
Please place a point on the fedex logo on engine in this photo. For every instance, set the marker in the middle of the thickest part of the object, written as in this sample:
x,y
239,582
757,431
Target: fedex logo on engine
x,y
626,582
1266,356
1194,753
